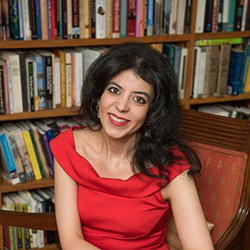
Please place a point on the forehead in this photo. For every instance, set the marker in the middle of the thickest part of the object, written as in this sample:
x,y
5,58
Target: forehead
x,y
130,80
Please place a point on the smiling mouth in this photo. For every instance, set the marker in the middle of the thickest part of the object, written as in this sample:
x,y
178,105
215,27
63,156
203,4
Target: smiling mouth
x,y
116,119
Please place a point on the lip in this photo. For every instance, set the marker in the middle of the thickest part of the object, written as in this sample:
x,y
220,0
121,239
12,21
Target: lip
x,y
117,123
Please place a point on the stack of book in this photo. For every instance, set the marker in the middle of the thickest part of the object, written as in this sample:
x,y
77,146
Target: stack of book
x,y
67,19
24,148
35,201
41,79
226,110
221,66
222,16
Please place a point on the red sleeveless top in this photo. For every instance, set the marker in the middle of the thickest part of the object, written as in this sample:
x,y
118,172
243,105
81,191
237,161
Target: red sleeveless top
x,y
116,214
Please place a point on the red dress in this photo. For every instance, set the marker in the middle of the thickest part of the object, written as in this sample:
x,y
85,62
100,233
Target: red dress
x,y
116,214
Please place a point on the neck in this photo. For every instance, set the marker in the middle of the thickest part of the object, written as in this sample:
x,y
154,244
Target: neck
x,y
112,148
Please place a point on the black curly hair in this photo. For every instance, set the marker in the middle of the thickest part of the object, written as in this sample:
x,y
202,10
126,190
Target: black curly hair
x,y
160,133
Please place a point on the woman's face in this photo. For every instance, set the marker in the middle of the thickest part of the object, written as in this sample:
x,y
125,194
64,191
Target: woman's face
x,y
124,105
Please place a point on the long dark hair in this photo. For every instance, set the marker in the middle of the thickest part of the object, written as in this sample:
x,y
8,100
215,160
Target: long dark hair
x,y
160,134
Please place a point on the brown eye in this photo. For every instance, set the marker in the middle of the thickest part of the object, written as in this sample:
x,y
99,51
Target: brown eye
x,y
139,100
113,90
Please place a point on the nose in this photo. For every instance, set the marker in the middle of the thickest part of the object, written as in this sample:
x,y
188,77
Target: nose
x,y
122,104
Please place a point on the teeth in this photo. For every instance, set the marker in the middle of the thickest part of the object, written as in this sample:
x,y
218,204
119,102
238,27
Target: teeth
x,y
117,119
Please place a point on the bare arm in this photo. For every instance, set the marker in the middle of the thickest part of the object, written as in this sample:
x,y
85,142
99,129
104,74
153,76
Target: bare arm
x,y
188,214
67,216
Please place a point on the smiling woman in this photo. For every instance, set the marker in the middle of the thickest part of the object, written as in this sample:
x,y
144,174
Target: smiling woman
x,y
119,174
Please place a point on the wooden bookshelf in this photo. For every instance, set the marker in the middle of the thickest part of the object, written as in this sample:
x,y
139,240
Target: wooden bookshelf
x,y
7,187
188,40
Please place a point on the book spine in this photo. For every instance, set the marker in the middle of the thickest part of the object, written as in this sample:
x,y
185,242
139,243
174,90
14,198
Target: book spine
x,y
187,22
208,17
100,18
116,19
26,20
138,21
32,16
212,42
31,85
48,154
20,19
1,22
69,19
244,15
14,20
49,82
32,155
150,17
181,15
86,15
7,153
206,72
247,83
2,92
214,22
44,19
25,91
93,18
49,11
75,19
41,83
64,20
68,79
38,19
231,15
8,63
123,19
238,15
110,4
53,19
6,89
37,153
6,19
63,78
219,15
157,17
225,13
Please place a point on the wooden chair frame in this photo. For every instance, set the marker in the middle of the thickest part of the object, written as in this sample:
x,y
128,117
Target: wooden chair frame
x,y
208,129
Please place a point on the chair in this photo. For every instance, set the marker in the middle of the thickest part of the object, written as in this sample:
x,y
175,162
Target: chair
x,y
218,141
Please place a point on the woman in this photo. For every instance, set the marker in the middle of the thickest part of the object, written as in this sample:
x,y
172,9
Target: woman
x,y
116,177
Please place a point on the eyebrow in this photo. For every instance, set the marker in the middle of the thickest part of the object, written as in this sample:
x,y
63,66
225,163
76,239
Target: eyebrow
x,y
136,92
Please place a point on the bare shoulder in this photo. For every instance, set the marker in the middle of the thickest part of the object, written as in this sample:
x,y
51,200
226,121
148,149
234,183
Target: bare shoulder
x,y
181,182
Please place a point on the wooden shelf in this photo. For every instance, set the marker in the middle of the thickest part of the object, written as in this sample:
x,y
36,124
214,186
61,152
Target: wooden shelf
x,y
13,44
227,98
7,187
59,112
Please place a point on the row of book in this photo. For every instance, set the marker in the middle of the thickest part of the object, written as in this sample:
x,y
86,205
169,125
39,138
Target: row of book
x,y
239,112
69,19
178,58
222,16
41,79
34,201
25,151
221,69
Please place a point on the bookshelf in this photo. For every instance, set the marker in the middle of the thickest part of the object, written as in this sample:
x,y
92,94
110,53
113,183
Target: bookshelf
x,y
187,39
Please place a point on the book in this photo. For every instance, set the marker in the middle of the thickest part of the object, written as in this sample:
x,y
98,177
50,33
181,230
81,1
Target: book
x,y
22,150
215,14
173,17
123,18
225,12
49,61
15,74
2,92
131,18
6,20
40,101
100,25
92,17
15,154
200,17
208,42
205,93
235,69
139,18
157,17
166,17
182,71
9,170
31,150
224,60
29,65
181,8
114,17
26,20
69,19
5,87
110,4
238,15
20,19
150,17
40,151
75,19
231,15
208,16
14,20
195,84
244,15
